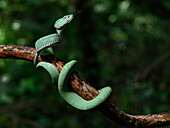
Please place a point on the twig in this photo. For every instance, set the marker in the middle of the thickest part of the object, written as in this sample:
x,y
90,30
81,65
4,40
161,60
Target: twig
x,y
152,66
85,90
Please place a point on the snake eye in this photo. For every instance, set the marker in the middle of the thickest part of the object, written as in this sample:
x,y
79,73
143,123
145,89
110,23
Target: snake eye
x,y
68,16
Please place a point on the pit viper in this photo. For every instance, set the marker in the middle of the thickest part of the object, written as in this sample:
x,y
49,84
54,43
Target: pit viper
x,y
45,46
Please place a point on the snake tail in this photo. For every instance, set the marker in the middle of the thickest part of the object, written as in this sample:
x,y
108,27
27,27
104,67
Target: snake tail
x,y
52,70
74,99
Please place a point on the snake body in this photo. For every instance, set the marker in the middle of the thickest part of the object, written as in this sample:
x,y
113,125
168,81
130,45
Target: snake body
x,y
74,99
42,45
52,70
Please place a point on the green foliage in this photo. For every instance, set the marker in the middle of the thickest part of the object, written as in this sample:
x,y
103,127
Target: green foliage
x,y
115,40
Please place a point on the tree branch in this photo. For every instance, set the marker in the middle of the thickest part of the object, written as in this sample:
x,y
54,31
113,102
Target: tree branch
x,y
85,90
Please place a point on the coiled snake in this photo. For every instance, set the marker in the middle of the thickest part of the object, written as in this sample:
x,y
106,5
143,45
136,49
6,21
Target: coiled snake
x,y
45,46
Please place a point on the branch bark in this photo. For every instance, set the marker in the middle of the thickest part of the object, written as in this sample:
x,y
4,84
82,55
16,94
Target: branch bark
x,y
86,91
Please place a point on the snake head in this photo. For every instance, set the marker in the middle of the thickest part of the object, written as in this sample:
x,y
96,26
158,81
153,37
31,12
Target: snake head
x,y
60,23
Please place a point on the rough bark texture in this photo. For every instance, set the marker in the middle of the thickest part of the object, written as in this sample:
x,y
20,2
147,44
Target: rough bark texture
x,y
85,90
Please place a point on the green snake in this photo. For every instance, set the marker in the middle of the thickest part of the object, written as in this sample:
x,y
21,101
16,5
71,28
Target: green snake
x,y
44,46
47,44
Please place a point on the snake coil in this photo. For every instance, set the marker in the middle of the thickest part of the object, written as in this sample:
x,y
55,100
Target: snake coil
x,y
43,47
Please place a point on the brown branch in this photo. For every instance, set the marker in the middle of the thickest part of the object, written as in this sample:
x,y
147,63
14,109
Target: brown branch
x,y
85,90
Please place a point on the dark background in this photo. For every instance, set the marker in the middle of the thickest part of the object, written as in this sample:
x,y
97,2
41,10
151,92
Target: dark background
x,y
122,44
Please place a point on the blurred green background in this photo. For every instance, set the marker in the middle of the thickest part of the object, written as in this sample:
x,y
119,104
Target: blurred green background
x,y
119,43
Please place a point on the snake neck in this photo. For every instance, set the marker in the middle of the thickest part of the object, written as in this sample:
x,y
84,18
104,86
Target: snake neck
x,y
59,31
